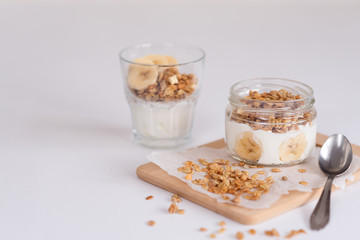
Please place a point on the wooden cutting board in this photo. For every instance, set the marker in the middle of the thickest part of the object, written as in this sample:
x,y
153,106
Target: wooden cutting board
x,y
153,174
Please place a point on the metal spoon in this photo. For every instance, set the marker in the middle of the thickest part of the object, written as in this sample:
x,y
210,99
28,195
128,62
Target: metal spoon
x,y
334,158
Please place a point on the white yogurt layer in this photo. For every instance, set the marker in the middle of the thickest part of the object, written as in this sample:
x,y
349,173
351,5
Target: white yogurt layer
x,y
162,120
269,141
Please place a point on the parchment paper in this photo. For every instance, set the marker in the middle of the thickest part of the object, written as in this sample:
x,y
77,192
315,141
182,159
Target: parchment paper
x,y
171,161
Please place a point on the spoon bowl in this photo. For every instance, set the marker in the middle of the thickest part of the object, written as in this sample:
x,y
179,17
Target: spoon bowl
x,y
335,158
335,155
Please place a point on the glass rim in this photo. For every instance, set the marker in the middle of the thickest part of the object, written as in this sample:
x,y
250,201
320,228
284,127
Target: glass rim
x,y
233,90
143,45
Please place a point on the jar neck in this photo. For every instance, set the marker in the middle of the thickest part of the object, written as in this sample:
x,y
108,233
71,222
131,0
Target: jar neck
x,y
303,102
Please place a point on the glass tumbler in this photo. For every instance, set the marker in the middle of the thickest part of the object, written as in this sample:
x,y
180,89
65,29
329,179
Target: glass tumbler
x,y
162,83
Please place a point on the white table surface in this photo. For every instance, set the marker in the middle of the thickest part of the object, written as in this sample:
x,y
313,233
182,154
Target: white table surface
x,y
67,159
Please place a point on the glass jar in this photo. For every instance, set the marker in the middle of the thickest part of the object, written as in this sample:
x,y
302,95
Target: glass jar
x,y
162,84
270,121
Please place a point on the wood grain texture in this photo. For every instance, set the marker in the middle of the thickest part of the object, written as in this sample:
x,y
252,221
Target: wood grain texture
x,y
153,174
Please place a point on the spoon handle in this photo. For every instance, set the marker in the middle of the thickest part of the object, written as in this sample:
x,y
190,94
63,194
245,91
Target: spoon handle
x,y
321,214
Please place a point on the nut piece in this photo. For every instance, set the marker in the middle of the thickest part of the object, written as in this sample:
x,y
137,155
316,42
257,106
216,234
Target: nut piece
x,y
272,233
151,223
175,198
173,80
303,183
203,229
173,208
294,233
203,162
239,235
188,177
225,197
252,231
149,197
213,235
284,178
180,211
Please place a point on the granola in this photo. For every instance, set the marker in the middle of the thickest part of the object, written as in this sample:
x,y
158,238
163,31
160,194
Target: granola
x,y
151,223
174,207
222,223
294,233
239,235
272,233
221,178
284,120
303,183
169,86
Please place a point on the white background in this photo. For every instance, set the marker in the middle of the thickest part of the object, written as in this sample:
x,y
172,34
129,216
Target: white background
x,y
67,159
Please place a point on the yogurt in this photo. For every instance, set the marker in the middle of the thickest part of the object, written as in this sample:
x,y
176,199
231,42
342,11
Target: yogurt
x,y
272,146
162,120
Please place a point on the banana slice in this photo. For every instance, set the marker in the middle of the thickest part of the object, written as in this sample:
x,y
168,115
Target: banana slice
x,y
293,148
171,60
247,148
141,76
144,60
161,59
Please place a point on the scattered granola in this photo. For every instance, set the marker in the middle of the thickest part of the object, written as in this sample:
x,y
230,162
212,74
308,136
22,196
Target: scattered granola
x,y
252,231
222,230
225,197
175,198
213,235
294,233
303,183
236,199
301,170
202,229
151,223
272,233
173,208
180,211
149,197
221,178
239,235
275,170
222,223
188,177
